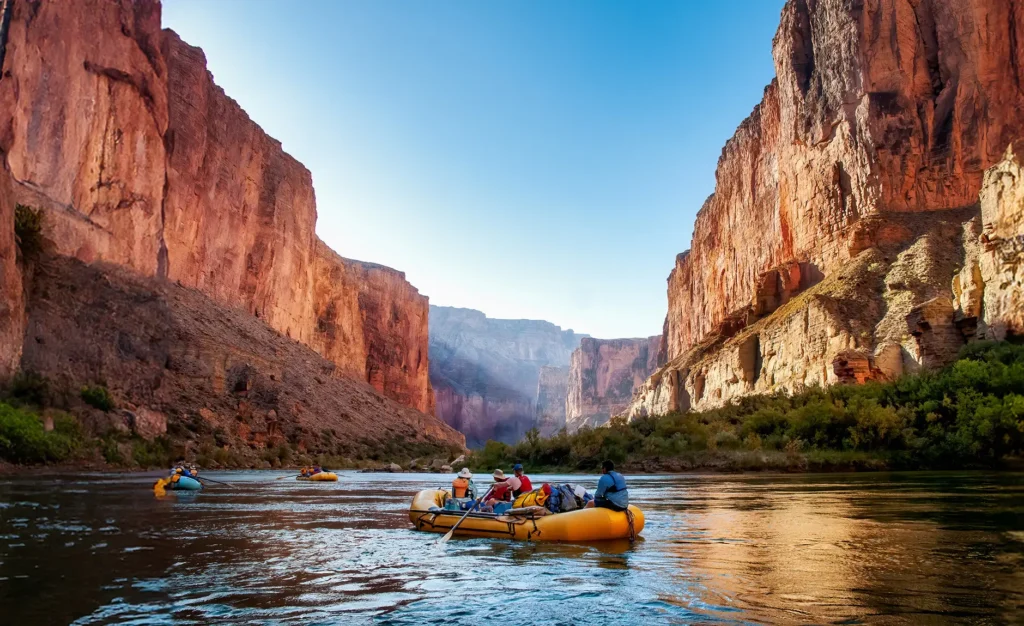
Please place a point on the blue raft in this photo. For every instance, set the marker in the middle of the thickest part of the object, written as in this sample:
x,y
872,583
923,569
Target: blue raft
x,y
184,483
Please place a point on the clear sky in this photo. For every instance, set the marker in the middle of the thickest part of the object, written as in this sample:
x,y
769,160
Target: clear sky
x,y
530,159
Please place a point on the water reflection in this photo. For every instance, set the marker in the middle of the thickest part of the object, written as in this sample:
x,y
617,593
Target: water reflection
x,y
901,548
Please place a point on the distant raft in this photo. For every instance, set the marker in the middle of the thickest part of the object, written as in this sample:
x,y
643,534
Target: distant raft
x,y
177,482
320,476
580,526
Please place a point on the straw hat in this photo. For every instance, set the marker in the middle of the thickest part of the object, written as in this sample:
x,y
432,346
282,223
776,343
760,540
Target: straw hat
x,y
499,475
465,473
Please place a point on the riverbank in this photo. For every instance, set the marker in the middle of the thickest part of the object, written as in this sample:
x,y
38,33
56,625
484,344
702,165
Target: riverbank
x,y
968,415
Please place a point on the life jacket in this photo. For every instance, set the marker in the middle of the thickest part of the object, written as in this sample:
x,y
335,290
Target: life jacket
x,y
461,487
500,491
617,479
537,497
525,486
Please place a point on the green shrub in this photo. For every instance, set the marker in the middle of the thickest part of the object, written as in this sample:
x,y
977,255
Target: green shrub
x,y
968,414
97,396
28,231
23,439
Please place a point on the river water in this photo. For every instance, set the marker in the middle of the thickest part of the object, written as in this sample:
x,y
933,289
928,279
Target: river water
x,y
915,548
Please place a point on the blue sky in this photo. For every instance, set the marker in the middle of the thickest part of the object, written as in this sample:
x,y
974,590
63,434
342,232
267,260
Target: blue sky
x,y
529,159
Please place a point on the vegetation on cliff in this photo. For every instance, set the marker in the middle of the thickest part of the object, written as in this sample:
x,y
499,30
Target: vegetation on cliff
x,y
970,414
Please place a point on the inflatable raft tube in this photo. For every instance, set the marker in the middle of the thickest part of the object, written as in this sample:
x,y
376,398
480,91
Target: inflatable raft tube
x,y
580,526
320,476
184,483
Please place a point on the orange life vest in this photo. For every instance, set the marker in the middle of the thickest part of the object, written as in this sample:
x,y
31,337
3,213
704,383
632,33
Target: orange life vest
x,y
461,487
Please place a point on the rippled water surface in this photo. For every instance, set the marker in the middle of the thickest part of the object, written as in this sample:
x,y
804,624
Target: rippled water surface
x,y
879,548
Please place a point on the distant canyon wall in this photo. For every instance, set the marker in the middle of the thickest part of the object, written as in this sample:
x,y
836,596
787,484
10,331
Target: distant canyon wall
x,y
603,375
552,389
117,131
486,372
848,199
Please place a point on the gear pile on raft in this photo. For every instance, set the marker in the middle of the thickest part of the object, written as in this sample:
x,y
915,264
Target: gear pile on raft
x,y
316,473
182,477
511,507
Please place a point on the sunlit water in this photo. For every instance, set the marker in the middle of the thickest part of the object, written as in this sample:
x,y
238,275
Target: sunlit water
x,y
879,548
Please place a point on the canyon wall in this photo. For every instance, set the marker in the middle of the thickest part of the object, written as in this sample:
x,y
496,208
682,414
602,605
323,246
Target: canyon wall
x,y
12,306
878,107
858,177
117,131
603,375
486,372
552,388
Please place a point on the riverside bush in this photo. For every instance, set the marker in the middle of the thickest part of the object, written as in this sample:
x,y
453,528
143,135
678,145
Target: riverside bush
x,y
24,440
968,414
97,396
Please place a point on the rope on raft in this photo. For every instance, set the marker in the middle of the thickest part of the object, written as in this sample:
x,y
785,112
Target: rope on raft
x,y
632,531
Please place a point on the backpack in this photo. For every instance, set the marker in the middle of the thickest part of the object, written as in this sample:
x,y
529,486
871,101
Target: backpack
x,y
554,503
537,497
567,498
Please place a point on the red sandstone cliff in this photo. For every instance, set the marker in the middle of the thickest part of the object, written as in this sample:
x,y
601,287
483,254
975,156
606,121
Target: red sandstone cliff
x,y
878,107
845,202
117,130
603,375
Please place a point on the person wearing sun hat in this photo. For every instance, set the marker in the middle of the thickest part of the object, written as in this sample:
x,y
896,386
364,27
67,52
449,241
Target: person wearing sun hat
x,y
501,491
462,486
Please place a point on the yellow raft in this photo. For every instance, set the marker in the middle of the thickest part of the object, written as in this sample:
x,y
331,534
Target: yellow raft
x,y
320,476
578,526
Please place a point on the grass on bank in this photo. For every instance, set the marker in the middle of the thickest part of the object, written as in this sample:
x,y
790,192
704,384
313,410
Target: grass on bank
x,y
970,414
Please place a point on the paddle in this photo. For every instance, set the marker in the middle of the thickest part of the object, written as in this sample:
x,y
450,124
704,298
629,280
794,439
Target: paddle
x,y
214,481
452,531
283,477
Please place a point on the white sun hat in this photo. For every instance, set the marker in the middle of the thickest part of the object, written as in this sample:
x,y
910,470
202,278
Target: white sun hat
x,y
465,473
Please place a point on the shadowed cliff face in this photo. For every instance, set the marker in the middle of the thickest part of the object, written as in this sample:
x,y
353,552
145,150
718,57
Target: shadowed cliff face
x,y
552,389
603,374
178,362
878,107
485,372
117,131
858,177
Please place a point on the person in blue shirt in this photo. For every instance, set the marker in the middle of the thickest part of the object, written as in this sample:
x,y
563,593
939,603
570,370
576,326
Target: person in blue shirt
x,y
611,490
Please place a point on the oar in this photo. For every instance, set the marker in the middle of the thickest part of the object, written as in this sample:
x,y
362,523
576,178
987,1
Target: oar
x,y
283,477
214,481
452,531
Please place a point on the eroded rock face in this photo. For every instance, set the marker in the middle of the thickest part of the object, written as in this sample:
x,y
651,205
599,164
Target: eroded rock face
x,y
117,131
603,374
1001,260
886,312
204,373
485,372
552,387
12,305
878,107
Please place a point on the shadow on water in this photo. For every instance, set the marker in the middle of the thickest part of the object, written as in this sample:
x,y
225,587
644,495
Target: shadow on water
x,y
862,548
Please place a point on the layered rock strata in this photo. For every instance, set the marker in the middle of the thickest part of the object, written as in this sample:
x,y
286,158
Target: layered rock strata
x,y
877,108
117,131
486,372
552,388
603,375
848,176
